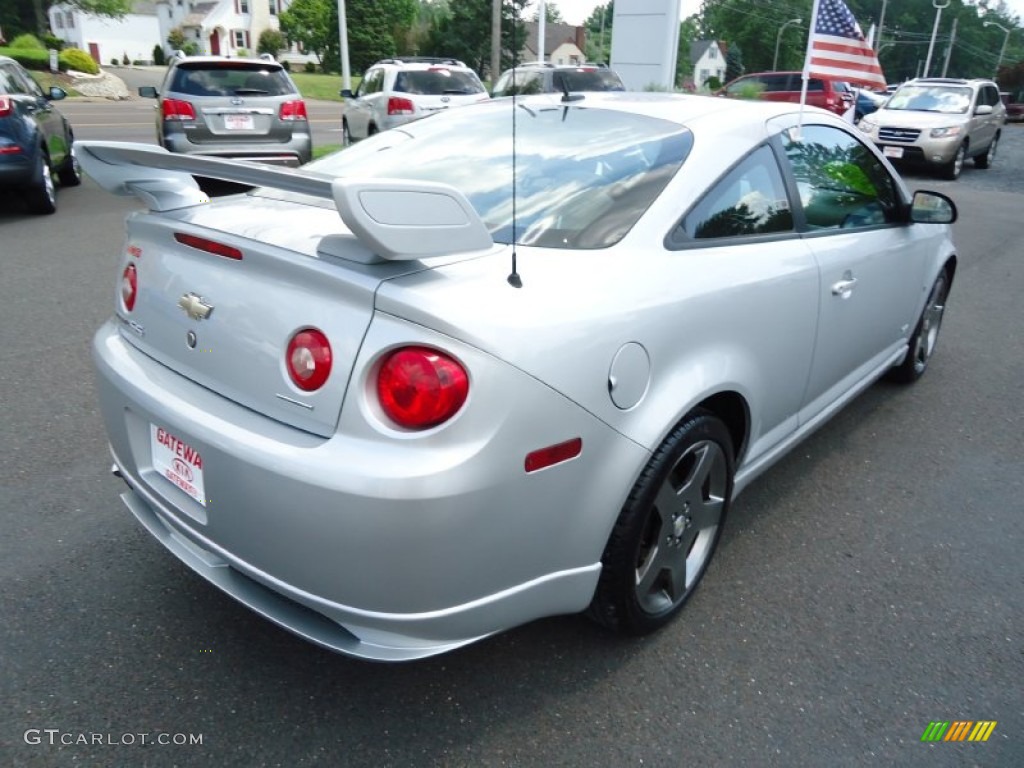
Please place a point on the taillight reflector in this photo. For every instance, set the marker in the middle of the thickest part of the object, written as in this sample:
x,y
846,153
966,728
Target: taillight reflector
x,y
210,246
308,359
176,109
293,110
129,287
553,454
400,106
419,387
6,106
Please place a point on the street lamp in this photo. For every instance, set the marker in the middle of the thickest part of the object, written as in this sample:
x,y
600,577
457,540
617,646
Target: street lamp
x,y
1006,37
935,32
778,39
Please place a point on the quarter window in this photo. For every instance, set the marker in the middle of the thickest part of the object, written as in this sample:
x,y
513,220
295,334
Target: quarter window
x,y
749,200
841,182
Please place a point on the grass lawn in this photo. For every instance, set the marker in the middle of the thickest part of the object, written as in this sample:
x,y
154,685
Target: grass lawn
x,y
322,87
46,79
326,149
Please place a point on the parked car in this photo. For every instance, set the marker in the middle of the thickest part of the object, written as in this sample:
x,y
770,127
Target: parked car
x,y
545,77
867,102
36,140
245,109
397,91
939,123
396,404
834,95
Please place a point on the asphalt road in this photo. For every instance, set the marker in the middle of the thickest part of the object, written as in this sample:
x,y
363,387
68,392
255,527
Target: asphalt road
x,y
870,583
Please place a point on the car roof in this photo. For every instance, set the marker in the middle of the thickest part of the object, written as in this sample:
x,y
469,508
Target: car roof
x,y
192,60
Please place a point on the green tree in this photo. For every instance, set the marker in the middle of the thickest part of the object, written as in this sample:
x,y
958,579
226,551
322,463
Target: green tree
x,y
552,14
271,41
375,29
465,33
599,33
733,62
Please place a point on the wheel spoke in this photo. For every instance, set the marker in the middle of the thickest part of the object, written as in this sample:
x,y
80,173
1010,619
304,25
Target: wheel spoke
x,y
707,514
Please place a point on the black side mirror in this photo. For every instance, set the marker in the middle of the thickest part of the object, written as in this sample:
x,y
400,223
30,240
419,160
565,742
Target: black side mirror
x,y
147,92
932,208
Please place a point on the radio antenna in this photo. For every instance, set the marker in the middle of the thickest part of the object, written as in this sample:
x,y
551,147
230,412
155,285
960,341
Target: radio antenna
x,y
513,279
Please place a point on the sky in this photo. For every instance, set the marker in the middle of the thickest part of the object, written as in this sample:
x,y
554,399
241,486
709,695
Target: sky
x,y
577,11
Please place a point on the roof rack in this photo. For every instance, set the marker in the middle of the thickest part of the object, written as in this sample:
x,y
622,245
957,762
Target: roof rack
x,y
422,60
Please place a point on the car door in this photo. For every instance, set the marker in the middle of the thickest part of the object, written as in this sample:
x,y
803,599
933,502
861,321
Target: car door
x,y
359,111
870,262
759,313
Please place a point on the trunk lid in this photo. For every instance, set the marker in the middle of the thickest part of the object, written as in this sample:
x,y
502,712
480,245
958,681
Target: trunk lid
x,y
257,303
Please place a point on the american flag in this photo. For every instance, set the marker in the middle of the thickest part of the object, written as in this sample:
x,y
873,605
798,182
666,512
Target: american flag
x,y
838,49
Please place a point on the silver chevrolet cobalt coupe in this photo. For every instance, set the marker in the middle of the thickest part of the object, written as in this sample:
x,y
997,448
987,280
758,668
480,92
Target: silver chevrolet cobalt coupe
x,y
506,362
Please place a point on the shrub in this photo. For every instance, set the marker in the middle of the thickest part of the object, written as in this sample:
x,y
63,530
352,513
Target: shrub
x,y
31,59
159,58
176,39
28,43
114,62
286,66
76,58
190,48
49,41
271,41
310,67
125,60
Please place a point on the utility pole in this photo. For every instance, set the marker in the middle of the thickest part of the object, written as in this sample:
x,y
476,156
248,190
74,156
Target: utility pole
x,y
346,74
495,42
949,50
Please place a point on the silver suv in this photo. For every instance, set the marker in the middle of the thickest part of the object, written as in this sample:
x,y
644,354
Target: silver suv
x,y
939,122
398,91
234,108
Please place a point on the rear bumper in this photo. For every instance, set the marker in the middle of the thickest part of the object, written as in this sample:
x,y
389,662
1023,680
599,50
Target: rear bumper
x,y
292,153
390,555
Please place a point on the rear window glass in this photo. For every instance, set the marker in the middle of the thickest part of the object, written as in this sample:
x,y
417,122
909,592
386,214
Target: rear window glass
x,y
587,80
583,176
231,80
435,82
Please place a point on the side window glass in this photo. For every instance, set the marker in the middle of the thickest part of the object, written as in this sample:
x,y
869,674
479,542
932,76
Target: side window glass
x,y
841,183
10,82
749,200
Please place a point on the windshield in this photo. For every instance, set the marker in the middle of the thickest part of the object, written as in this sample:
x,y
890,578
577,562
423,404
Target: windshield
x,y
947,99
583,177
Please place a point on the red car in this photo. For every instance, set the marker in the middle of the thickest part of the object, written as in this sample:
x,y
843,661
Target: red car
x,y
834,95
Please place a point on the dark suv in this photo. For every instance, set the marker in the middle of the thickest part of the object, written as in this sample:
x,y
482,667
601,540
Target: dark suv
x,y
233,108
544,77
35,139
834,95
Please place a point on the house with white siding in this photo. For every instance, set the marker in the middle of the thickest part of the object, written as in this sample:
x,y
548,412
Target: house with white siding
x,y
105,38
707,59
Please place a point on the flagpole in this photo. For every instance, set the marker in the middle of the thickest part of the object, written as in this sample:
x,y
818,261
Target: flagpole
x,y
807,68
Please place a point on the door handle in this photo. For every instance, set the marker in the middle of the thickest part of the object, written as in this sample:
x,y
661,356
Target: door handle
x,y
844,287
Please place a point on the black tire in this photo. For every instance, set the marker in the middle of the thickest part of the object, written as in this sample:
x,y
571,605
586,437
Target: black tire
x,y
951,170
41,193
668,530
985,160
925,336
70,172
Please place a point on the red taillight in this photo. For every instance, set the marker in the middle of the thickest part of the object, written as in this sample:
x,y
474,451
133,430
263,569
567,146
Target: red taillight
x,y
553,454
210,246
308,359
6,107
400,106
129,287
293,110
420,388
175,109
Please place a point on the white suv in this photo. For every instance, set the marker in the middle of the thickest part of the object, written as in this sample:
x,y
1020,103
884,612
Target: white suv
x,y
398,91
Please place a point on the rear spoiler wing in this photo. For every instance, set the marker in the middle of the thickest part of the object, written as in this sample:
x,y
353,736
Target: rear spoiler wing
x,y
393,219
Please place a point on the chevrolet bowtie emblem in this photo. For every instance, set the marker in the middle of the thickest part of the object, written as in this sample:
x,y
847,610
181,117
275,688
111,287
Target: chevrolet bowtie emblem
x,y
194,306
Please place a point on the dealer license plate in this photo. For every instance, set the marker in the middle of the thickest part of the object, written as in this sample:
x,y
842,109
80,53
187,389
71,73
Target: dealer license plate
x,y
238,122
177,461
892,151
